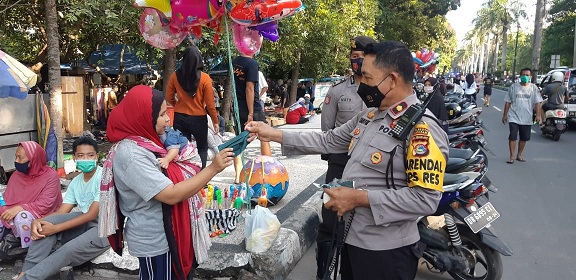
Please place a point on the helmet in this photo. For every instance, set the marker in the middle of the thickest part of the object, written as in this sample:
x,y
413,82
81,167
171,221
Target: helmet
x,y
557,77
454,110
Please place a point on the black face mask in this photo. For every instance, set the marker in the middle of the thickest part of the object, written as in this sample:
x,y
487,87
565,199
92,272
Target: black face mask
x,y
356,64
371,95
22,167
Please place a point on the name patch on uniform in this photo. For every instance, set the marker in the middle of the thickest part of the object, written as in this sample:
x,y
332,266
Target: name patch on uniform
x,y
385,129
426,163
398,109
376,158
345,99
364,121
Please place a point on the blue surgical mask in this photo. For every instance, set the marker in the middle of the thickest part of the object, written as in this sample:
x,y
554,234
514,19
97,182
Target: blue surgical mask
x,y
22,167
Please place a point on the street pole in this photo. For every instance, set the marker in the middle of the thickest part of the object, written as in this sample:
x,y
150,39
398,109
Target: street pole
x,y
515,53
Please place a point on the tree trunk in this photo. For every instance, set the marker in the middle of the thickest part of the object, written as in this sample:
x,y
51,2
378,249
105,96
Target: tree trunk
x,y
295,74
481,58
488,47
169,67
227,100
54,78
496,47
537,42
504,48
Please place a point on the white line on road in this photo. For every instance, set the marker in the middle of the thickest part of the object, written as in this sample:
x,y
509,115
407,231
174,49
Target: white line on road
x,y
496,108
532,131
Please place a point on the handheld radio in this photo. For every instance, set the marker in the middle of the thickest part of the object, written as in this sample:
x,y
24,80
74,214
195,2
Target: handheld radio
x,y
409,119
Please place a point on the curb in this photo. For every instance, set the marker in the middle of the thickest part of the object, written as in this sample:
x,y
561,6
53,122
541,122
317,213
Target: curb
x,y
299,220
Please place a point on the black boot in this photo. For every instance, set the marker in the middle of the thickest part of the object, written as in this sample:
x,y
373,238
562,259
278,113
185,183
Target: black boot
x,y
322,254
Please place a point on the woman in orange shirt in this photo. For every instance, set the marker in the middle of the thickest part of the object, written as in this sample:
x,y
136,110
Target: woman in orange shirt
x,y
190,92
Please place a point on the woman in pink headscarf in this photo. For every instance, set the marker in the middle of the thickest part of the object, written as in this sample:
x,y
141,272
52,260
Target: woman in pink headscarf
x,y
33,192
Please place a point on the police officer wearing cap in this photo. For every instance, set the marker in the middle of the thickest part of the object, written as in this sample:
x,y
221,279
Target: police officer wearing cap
x,y
396,181
341,104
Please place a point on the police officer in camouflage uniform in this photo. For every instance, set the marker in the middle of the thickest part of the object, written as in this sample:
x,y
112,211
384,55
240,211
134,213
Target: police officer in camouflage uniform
x,y
396,181
341,104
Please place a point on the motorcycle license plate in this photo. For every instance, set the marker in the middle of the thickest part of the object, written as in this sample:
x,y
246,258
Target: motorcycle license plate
x,y
482,140
482,217
572,114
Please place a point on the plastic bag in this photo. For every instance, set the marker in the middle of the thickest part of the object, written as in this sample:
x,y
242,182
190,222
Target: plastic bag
x,y
261,229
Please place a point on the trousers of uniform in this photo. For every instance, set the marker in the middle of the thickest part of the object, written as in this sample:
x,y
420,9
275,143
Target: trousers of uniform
x,y
71,247
395,264
336,164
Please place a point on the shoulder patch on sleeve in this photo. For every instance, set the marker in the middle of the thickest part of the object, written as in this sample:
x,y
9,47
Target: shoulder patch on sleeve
x,y
426,163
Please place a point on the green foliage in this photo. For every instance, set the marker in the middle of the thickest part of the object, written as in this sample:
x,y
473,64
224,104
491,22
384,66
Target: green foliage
x,y
419,24
558,37
524,54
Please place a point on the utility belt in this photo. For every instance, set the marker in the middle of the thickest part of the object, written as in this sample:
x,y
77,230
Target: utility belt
x,y
340,159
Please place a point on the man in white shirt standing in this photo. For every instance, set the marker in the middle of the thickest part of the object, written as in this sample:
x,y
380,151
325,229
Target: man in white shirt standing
x,y
262,88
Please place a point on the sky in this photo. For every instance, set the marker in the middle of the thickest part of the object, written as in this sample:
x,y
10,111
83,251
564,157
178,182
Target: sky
x,y
461,18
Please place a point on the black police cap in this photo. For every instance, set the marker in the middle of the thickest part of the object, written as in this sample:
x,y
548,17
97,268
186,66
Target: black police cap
x,y
360,42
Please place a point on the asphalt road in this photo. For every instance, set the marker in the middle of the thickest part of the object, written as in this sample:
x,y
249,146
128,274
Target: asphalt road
x,y
535,201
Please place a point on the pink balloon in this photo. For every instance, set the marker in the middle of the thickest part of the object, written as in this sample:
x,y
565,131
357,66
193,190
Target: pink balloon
x,y
187,13
247,41
156,32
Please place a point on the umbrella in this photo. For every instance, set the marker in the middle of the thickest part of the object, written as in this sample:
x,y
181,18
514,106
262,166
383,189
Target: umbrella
x,y
15,78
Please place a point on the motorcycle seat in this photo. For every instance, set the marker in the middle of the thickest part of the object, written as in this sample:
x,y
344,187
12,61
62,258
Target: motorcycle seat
x,y
461,153
450,179
454,164
461,129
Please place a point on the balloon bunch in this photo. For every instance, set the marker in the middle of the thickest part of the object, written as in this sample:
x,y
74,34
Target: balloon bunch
x,y
425,60
166,23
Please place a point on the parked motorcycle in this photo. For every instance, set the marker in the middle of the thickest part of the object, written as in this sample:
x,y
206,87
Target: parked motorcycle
x,y
466,244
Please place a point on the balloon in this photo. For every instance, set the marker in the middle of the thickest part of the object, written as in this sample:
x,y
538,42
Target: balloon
x,y
418,54
268,30
247,41
162,6
417,60
232,3
432,68
254,12
427,57
436,56
156,32
187,13
413,54
424,52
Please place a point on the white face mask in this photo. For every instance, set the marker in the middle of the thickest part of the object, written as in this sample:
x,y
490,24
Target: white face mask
x,y
428,89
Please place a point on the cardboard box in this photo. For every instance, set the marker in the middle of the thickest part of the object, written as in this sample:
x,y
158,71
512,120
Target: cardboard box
x,y
275,121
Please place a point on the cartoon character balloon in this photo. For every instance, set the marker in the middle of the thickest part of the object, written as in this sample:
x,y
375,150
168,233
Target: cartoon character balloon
x,y
156,31
246,40
255,12
188,13
425,60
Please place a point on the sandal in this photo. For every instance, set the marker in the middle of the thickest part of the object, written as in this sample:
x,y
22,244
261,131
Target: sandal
x,y
521,159
510,161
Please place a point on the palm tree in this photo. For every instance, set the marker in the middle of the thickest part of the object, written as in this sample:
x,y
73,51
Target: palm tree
x,y
537,42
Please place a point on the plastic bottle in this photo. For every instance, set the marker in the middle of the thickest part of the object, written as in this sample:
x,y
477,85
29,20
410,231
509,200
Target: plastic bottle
x,y
2,202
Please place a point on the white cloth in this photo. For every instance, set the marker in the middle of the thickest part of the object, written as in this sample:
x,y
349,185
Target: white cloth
x,y
469,90
262,84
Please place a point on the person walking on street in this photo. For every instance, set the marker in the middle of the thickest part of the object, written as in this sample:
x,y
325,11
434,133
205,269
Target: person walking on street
x,y
191,93
341,104
469,87
520,100
391,189
488,83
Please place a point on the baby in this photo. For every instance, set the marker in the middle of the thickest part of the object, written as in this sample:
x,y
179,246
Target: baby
x,y
174,142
